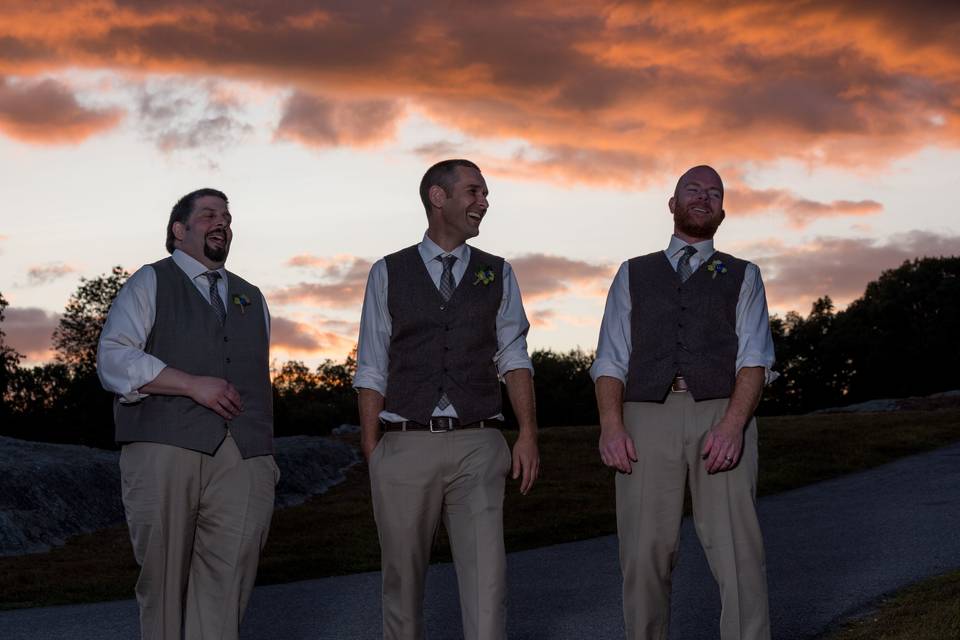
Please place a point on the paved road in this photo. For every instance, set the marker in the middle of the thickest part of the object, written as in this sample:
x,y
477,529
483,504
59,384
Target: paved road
x,y
832,548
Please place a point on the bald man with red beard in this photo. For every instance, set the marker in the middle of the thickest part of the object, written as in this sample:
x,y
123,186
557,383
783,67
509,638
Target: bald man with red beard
x,y
684,351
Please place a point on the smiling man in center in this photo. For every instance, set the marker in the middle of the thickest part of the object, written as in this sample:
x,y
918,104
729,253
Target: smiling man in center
x,y
442,324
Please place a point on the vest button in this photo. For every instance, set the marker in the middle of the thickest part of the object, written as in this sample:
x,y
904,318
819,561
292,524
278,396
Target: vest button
x,y
226,339
228,360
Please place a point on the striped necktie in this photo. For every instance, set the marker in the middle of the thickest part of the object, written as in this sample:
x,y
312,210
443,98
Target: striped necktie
x,y
447,285
215,300
683,266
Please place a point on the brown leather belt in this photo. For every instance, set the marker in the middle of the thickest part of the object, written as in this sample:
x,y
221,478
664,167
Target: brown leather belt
x,y
440,425
679,385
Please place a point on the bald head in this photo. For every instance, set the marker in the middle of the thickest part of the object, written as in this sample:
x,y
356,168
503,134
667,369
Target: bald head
x,y
697,204
701,173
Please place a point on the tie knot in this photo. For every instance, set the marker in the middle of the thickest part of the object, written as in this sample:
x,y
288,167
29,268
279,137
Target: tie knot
x,y
212,276
689,250
447,260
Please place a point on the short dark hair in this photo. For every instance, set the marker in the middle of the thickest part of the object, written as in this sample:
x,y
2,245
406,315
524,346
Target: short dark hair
x,y
184,207
442,174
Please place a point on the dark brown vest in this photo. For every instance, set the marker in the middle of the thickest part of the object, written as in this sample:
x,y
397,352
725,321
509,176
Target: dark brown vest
x,y
687,329
186,335
439,347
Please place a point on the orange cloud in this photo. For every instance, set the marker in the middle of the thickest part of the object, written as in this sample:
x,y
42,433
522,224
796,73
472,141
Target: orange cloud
x,y
545,276
839,267
591,91
47,112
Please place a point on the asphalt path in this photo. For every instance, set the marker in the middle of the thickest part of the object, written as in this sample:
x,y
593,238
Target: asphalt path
x,y
832,549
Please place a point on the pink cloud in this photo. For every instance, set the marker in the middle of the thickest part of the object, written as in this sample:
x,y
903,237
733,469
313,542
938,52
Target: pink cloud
x,y
545,276
839,267
339,282
29,330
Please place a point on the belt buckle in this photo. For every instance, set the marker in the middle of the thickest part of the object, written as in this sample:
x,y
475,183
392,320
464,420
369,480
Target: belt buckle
x,y
439,421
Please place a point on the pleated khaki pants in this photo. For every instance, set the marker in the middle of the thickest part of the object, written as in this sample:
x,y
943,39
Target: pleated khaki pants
x,y
669,438
417,478
197,524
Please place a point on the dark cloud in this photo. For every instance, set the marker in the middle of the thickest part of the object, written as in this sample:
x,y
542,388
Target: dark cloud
x,y
321,122
184,115
43,274
593,92
839,267
545,276
29,330
46,111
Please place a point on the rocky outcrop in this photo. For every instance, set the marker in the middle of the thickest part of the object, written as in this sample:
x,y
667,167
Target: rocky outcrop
x,y
50,492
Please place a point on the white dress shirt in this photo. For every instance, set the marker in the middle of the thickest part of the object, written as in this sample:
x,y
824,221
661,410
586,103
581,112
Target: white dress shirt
x,y
754,342
122,364
376,324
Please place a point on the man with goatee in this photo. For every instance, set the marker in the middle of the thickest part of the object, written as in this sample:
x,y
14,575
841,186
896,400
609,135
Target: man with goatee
x,y
185,350
442,323
684,352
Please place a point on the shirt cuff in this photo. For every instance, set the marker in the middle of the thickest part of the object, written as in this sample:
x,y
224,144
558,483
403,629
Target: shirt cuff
x,y
503,368
365,379
141,372
608,368
769,375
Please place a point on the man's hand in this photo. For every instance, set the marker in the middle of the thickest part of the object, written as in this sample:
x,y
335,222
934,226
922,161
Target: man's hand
x,y
616,446
216,394
722,447
617,449
526,461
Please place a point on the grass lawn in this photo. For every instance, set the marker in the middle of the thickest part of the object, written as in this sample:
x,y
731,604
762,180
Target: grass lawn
x,y
928,610
334,533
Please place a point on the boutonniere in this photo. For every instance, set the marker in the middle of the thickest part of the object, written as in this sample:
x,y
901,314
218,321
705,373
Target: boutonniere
x,y
241,301
716,267
485,275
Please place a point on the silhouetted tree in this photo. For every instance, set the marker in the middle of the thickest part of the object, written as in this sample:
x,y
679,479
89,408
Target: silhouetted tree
x,y
901,337
76,336
9,363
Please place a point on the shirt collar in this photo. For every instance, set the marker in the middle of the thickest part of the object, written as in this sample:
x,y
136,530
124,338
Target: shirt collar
x,y
429,250
704,248
193,267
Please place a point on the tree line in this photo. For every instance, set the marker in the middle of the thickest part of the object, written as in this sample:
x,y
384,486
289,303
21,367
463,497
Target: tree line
x,y
900,338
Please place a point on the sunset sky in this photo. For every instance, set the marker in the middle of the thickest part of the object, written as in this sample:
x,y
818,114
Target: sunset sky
x,y
835,125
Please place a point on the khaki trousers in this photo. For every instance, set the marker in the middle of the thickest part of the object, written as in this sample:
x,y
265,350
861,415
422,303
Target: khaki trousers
x,y
416,479
197,524
668,439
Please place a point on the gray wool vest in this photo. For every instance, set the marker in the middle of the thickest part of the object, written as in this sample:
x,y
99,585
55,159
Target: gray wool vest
x,y
186,335
439,347
682,328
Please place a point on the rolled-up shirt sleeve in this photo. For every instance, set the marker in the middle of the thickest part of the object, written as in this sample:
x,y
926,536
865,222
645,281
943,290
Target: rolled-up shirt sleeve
x,y
122,364
375,329
613,347
512,327
755,343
